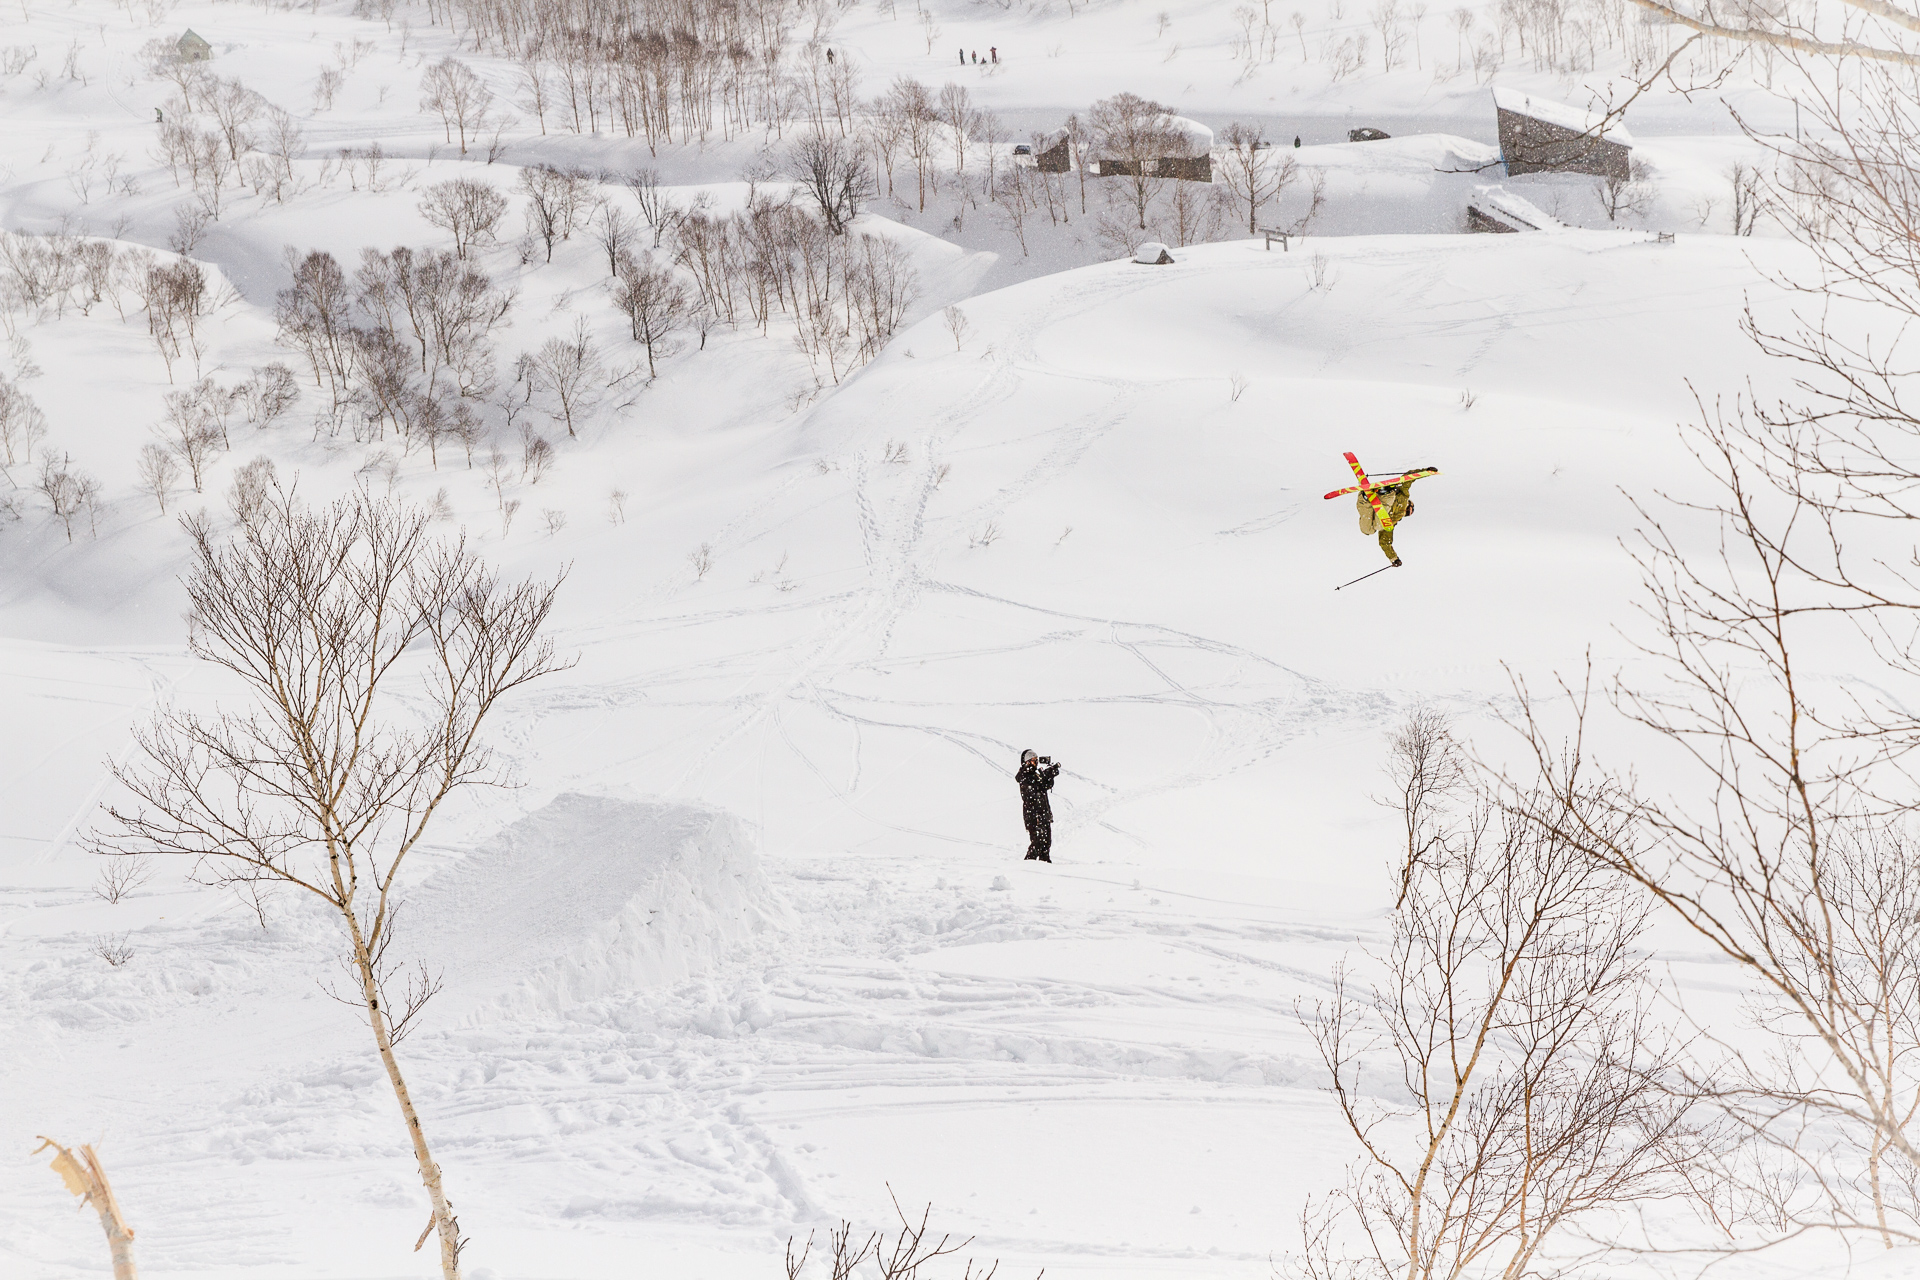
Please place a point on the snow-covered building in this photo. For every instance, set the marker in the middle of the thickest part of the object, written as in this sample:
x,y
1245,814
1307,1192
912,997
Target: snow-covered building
x,y
1538,135
1053,153
1188,154
193,47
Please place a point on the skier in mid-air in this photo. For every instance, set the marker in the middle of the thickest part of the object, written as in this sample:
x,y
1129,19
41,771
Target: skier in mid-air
x,y
1395,503
1382,504
1035,777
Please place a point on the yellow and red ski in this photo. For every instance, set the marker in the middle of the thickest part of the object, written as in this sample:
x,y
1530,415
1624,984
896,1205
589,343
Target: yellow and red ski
x,y
1372,487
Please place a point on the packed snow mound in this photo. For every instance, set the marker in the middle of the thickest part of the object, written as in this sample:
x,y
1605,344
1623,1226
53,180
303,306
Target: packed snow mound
x,y
591,897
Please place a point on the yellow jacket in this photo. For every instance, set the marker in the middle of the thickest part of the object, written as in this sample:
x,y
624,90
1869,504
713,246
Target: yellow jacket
x,y
1396,502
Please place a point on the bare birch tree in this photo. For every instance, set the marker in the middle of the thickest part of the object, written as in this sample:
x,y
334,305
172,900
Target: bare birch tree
x,y
655,304
470,210
1251,171
322,782
834,172
1509,1020
571,369
158,471
460,97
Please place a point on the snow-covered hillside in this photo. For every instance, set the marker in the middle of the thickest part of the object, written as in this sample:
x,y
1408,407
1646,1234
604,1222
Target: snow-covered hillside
x,y
751,948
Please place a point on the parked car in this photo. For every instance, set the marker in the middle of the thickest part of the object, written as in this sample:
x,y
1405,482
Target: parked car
x,y
1023,155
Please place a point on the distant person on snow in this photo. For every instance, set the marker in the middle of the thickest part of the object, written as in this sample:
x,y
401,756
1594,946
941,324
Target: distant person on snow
x,y
994,53
1036,777
1396,503
963,57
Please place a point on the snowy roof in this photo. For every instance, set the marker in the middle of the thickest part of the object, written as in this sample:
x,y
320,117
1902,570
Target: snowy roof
x,y
1199,138
194,40
1560,113
1516,208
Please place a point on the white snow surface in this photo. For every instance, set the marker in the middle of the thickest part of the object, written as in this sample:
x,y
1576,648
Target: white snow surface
x,y
752,941
677,1036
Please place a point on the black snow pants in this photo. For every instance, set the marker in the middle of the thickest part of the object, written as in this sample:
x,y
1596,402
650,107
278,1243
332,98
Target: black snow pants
x,y
1039,839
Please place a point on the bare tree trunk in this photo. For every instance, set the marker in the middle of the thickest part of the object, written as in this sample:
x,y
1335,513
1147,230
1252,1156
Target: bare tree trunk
x,y
443,1219
87,1178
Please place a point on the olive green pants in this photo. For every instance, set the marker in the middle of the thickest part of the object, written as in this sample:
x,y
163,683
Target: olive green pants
x,y
1386,543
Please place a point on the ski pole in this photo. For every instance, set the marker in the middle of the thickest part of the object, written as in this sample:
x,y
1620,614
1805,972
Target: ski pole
x,y
1363,577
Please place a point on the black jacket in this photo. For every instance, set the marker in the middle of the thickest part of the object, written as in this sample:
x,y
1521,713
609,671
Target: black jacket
x,y
1035,782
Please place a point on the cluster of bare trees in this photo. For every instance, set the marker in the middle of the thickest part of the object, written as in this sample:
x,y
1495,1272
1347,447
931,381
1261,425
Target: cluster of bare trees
x,y
1563,36
46,274
405,342
50,273
177,302
22,426
558,202
69,491
460,98
846,294
664,70
834,174
196,426
219,134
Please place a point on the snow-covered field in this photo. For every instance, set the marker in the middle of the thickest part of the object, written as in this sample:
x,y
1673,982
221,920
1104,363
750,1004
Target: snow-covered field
x,y
752,943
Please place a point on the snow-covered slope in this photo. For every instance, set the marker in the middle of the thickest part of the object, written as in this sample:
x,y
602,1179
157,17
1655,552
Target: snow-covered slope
x,y
752,940
1076,531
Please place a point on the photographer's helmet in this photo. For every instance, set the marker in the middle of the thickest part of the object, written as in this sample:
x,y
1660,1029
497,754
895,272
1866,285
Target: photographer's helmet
x,y
1029,754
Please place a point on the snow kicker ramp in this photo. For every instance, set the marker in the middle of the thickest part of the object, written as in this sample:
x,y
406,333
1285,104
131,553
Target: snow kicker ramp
x,y
592,897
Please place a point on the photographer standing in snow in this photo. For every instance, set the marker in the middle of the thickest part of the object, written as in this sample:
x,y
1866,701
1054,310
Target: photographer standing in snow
x,y
1035,777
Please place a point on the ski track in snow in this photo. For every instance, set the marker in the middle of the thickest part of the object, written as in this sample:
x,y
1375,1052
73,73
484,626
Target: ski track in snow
x,y
1097,1067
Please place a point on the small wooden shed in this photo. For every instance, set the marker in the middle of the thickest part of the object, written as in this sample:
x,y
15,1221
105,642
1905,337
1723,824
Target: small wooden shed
x,y
191,47
1541,136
